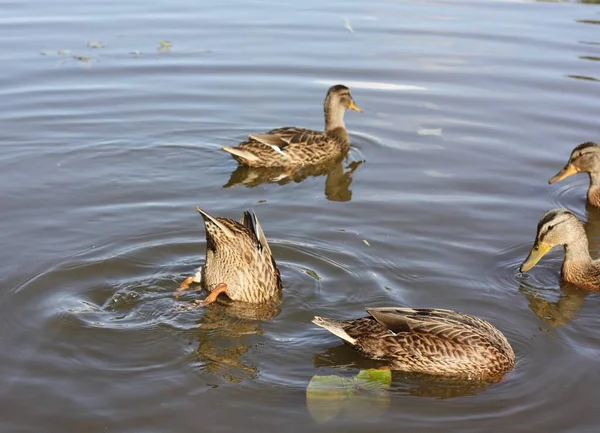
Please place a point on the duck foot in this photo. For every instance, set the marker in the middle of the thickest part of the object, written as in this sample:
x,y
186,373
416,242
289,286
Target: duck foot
x,y
185,285
221,288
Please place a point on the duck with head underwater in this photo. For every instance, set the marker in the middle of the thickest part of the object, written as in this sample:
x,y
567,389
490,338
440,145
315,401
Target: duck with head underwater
x,y
428,340
290,147
585,158
239,262
561,227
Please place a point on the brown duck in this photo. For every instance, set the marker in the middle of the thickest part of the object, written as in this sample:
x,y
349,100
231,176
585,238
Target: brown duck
x,y
585,158
431,341
296,147
239,262
561,227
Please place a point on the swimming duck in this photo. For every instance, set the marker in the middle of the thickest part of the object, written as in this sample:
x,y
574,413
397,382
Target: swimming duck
x,y
585,158
239,262
431,341
293,147
562,227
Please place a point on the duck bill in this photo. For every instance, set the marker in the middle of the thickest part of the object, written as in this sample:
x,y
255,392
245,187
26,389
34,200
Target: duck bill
x,y
355,107
537,252
567,171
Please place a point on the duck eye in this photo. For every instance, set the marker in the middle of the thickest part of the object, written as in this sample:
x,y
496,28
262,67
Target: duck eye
x,y
550,228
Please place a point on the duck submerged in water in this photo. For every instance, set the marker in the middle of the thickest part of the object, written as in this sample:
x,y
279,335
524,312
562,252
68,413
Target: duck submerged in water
x,y
430,341
239,262
561,227
585,158
295,147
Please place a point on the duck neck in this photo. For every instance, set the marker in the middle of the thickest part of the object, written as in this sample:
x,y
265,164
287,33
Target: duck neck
x,y
334,118
593,194
577,259
577,252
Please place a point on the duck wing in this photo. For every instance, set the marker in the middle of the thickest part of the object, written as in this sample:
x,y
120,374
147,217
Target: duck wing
x,y
446,324
250,221
280,138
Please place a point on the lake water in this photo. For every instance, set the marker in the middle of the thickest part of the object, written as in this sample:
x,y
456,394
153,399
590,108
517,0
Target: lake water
x,y
469,108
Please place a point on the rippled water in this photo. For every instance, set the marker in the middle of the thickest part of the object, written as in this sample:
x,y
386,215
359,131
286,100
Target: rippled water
x,y
470,107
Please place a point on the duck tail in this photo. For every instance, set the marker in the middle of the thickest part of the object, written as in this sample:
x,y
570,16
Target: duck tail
x,y
244,154
208,219
334,327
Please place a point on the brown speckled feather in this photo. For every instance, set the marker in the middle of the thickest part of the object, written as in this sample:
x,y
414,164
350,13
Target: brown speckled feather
x,y
238,254
293,146
432,341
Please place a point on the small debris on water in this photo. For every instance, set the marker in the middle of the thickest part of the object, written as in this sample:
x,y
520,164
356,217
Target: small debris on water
x,y
96,44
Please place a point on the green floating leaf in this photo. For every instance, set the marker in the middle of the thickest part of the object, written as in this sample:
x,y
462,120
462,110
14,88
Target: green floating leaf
x,y
370,399
374,377
164,47
361,396
325,396
389,289
366,242
96,44
84,59
313,274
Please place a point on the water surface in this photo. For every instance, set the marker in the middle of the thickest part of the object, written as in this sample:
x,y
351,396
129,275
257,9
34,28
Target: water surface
x,y
470,107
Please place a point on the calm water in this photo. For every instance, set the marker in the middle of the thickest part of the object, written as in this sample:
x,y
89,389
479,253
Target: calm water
x,y
470,107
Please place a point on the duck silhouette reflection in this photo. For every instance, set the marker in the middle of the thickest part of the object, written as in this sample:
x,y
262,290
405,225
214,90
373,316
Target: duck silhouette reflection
x,y
337,182
225,335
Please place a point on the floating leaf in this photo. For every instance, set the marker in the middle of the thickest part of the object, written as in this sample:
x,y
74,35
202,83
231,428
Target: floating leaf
x,y
164,47
348,25
366,242
374,378
312,274
424,131
325,396
96,44
64,52
362,396
370,398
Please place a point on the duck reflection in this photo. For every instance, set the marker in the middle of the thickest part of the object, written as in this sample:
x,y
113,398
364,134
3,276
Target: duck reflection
x,y
558,313
337,182
414,384
224,333
572,298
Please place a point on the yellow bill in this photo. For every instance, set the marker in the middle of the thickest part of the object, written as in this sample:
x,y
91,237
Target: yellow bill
x,y
567,171
538,251
355,107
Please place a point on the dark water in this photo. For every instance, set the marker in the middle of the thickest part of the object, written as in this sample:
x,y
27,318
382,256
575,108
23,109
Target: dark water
x,y
470,107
